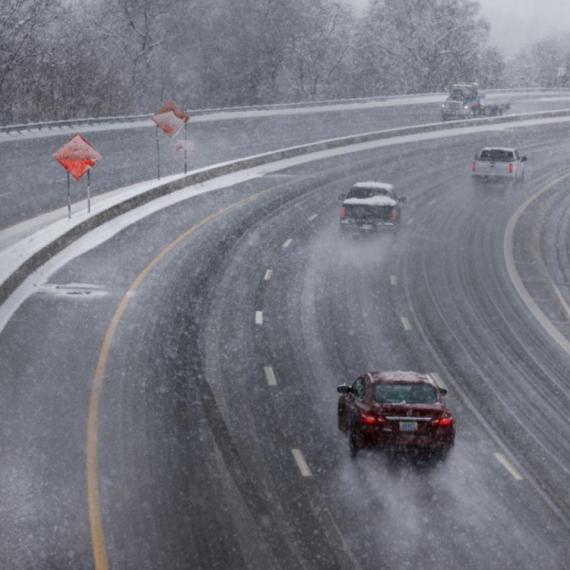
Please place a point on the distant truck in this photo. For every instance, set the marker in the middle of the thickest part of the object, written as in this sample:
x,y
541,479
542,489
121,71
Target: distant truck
x,y
466,101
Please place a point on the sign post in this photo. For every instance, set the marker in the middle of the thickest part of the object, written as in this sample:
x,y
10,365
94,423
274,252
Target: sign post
x,y
77,156
68,196
157,153
170,118
186,146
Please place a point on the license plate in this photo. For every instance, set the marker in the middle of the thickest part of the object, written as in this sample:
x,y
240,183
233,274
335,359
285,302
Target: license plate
x,y
408,426
366,227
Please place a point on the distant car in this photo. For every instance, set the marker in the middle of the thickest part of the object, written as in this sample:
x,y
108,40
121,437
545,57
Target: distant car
x,y
370,207
504,165
396,410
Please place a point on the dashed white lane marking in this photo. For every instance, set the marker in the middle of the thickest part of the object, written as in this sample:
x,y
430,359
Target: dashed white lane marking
x,y
301,463
440,383
268,275
258,317
406,324
509,466
287,243
393,279
311,218
270,375
410,221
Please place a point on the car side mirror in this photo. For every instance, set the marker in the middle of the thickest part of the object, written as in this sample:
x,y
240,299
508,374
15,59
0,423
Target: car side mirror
x,y
402,199
443,391
344,389
523,158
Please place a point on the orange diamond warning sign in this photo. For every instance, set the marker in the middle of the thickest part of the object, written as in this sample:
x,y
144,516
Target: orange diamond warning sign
x,y
170,118
77,156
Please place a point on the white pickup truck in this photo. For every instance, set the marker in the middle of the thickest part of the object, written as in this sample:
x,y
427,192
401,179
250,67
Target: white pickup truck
x,y
492,164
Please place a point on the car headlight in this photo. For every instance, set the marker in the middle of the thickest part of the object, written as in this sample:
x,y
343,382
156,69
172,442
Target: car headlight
x,y
466,106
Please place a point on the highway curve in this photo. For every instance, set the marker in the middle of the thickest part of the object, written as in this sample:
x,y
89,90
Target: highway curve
x,y
217,331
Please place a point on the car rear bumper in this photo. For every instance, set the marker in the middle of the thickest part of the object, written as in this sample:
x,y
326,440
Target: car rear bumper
x,y
442,438
492,178
350,226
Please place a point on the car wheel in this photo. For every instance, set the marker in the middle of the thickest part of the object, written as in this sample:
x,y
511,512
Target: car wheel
x,y
340,420
354,441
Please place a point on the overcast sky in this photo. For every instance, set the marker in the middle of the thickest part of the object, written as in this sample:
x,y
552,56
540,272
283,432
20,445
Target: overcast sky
x,y
515,23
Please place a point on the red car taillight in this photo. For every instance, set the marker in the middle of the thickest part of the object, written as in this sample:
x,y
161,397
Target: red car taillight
x,y
343,212
393,214
371,419
511,168
446,420
473,167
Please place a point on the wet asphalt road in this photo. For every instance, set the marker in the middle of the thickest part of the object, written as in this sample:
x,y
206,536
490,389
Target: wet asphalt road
x,y
196,464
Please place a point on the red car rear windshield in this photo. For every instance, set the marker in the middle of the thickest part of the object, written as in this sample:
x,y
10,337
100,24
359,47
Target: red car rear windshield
x,y
404,394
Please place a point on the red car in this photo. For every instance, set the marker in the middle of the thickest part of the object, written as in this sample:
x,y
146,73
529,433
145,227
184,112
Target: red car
x,y
402,410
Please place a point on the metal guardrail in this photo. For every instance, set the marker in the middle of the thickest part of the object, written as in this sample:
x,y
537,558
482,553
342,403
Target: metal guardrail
x,y
51,125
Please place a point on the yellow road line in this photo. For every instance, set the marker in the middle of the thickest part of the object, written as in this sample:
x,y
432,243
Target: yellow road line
x,y
95,519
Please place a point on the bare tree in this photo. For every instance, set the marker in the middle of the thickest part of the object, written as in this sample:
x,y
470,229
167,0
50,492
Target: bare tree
x,y
545,63
140,31
320,43
22,27
129,56
420,45
19,23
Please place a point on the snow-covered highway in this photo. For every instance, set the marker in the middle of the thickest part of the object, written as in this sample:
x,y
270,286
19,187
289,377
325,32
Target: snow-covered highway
x,y
215,439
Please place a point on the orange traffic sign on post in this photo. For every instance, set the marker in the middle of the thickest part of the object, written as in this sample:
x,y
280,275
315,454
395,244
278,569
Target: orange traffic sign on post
x,y
77,156
170,118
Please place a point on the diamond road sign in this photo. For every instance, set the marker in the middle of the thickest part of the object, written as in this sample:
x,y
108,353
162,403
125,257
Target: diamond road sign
x,y
170,118
77,156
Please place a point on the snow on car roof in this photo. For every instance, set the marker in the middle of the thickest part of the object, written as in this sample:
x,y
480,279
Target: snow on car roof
x,y
382,185
373,201
498,148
